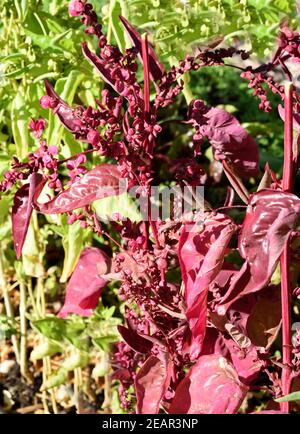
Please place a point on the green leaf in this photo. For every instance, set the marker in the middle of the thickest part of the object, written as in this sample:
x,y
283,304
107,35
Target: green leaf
x,y
4,208
7,327
114,24
104,343
78,359
45,41
19,73
72,146
51,327
5,230
31,255
44,349
5,161
122,204
75,333
101,368
13,56
56,379
108,312
20,117
72,244
21,8
19,269
294,396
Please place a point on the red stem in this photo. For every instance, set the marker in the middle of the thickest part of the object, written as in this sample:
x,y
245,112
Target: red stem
x,y
145,57
286,325
287,182
287,185
88,151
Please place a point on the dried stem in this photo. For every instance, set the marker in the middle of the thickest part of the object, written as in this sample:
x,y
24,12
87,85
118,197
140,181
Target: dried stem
x,y
23,331
106,406
8,306
44,392
77,389
47,361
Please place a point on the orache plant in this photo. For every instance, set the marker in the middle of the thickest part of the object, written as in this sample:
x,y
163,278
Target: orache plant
x,y
184,338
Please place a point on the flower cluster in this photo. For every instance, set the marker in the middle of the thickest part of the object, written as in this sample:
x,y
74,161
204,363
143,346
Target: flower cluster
x,y
37,127
289,42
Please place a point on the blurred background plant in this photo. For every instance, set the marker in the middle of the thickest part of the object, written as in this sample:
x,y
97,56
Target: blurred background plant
x,y
40,41
184,24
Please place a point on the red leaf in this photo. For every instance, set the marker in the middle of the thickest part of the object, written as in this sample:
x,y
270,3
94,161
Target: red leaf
x,y
151,384
236,182
99,65
85,286
246,362
67,115
296,117
155,67
229,140
264,321
201,257
134,340
102,181
214,343
271,215
211,386
22,210
270,218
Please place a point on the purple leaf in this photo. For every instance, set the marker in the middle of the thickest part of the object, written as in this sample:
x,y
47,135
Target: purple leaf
x,y
270,218
85,286
236,182
134,340
214,343
211,386
266,180
151,384
22,210
264,322
271,215
102,181
229,140
201,255
296,117
237,347
245,360
155,67
99,65
68,116
241,284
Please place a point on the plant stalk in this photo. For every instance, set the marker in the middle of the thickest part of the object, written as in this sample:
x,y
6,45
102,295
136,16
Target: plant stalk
x,y
145,57
23,332
8,307
287,185
288,163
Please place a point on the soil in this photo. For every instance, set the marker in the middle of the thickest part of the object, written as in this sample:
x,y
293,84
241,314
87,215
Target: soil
x,y
21,393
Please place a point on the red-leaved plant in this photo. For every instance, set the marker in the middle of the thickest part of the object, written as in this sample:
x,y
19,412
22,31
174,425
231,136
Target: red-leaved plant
x,y
199,346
